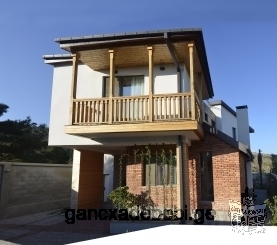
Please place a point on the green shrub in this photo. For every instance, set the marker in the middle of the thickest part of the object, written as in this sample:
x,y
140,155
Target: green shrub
x,y
272,205
121,198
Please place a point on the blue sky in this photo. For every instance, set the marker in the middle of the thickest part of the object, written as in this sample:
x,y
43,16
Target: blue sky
x,y
240,38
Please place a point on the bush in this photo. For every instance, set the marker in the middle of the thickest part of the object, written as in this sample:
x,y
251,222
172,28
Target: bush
x,y
122,199
272,205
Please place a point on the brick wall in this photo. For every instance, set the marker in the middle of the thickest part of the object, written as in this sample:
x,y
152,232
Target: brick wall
x,y
228,173
135,177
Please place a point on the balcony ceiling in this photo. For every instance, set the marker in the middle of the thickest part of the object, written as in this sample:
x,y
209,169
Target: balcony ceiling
x,y
133,56
132,50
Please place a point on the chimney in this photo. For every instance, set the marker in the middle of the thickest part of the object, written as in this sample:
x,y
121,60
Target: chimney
x,y
243,125
244,138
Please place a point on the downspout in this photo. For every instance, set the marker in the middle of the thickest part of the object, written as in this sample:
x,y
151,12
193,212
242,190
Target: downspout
x,y
182,167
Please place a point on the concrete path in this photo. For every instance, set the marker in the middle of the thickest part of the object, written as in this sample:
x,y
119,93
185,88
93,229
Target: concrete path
x,y
50,228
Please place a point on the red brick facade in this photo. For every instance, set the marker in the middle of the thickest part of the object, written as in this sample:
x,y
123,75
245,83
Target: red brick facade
x,y
228,174
135,178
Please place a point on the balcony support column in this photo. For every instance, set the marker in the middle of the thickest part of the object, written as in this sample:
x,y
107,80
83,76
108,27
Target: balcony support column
x,y
150,54
191,62
75,60
112,73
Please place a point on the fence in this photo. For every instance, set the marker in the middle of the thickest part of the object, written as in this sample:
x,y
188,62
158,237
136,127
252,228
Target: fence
x,y
27,188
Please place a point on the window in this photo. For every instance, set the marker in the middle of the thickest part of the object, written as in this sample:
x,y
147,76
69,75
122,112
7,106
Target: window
x,y
160,173
234,133
207,192
206,117
213,123
125,86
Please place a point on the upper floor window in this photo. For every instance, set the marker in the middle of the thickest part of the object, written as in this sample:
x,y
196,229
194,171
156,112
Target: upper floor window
x,y
207,190
206,117
234,133
213,123
125,86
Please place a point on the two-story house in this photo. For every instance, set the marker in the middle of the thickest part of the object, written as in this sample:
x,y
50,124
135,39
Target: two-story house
x,y
113,94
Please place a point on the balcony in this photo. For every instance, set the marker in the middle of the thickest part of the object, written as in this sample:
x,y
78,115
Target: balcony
x,y
155,114
167,112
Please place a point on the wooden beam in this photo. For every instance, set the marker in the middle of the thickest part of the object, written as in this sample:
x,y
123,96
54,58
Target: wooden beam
x,y
75,60
150,54
191,62
100,129
112,68
169,46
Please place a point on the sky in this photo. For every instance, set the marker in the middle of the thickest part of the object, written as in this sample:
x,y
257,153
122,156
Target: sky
x,y
240,39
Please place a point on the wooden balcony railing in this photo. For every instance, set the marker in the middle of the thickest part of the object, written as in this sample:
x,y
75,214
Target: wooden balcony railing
x,y
166,107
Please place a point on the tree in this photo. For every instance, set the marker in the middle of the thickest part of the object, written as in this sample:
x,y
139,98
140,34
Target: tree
x,y
3,109
274,163
25,141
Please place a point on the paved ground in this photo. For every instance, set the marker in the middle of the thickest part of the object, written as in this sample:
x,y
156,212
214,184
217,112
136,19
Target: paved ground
x,y
50,228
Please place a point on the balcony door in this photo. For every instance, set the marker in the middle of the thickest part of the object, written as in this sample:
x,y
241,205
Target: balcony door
x,y
127,86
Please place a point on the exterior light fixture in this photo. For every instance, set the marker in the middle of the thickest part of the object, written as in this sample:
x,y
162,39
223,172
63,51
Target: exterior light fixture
x,y
162,68
116,71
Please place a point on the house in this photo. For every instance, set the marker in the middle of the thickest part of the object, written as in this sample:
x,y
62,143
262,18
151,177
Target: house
x,y
114,94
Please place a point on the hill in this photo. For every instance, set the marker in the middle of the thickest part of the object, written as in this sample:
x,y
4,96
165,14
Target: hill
x,y
266,163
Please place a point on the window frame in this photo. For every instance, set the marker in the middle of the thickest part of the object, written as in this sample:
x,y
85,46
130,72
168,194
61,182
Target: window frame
x,y
120,84
167,170
234,133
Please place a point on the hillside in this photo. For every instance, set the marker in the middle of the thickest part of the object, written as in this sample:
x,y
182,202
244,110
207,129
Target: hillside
x,y
266,163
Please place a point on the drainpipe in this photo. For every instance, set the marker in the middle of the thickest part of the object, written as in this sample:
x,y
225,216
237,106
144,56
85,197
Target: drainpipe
x,y
182,171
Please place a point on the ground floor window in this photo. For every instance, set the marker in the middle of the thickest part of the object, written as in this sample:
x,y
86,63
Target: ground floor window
x,y
160,172
207,190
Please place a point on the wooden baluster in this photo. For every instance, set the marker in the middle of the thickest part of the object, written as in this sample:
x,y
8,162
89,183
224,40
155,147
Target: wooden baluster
x,y
119,110
106,111
165,107
127,110
188,107
81,112
124,110
114,110
85,111
183,106
132,109
93,111
155,108
88,116
101,111
144,109
160,107
174,107
76,104
97,110
179,107
169,109
136,109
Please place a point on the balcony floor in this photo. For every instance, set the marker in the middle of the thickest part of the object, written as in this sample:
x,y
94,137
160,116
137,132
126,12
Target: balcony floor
x,y
190,127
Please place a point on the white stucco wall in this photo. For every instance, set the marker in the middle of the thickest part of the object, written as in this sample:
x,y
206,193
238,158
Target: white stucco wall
x,y
228,122
225,120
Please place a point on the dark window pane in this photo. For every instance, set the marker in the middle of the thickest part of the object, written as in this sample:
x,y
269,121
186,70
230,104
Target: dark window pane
x,y
206,176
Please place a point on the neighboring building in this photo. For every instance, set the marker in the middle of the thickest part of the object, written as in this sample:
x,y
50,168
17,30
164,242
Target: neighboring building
x,y
160,83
